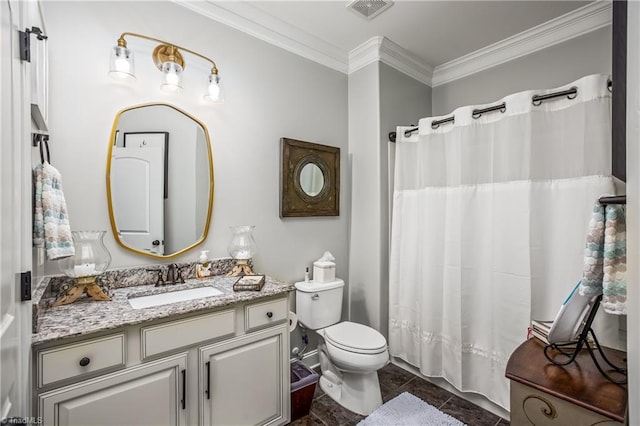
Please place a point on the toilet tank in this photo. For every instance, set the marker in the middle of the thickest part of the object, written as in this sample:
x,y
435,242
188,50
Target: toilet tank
x,y
319,305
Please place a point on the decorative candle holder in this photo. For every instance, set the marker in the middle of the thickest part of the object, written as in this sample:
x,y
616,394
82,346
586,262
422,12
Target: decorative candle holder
x,y
91,259
242,248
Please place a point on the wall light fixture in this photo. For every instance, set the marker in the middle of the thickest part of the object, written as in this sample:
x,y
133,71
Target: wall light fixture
x,y
169,60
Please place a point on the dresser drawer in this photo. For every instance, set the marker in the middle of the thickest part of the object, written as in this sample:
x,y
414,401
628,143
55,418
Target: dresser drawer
x,y
259,315
79,359
178,334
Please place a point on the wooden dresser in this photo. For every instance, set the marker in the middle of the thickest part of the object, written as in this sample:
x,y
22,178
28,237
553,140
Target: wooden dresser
x,y
543,393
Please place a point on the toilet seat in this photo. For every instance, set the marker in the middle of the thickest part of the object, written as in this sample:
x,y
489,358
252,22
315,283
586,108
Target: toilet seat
x,y
356,338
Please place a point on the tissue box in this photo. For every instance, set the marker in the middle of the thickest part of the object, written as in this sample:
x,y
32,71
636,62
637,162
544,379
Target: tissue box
x,y
324,271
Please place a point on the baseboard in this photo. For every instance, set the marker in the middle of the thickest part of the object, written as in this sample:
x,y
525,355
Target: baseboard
x,y
310,359
474,398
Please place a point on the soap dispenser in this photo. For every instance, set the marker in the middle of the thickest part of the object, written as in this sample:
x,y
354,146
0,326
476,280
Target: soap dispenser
x,y
203,266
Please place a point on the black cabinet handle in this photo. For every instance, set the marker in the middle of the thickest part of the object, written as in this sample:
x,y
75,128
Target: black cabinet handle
x,y
85,361
184,389
269,314
208,391
156,242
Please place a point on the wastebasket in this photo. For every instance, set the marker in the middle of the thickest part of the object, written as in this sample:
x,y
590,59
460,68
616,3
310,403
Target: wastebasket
x,y
303,386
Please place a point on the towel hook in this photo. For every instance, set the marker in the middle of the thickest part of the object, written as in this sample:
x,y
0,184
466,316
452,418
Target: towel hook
x,y
45,139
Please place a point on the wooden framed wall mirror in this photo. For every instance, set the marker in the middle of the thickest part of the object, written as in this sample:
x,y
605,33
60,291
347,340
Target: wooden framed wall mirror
x,y
159,180
309,179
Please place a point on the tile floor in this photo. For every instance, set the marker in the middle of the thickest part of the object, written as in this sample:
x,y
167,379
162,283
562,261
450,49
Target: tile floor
x,y
393,381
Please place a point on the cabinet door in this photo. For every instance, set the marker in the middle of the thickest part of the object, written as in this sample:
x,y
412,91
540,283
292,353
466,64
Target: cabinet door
x,y
148,394
245,381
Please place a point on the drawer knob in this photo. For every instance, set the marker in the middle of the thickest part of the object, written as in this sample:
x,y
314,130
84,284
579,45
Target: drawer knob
x,y
269,314
85,361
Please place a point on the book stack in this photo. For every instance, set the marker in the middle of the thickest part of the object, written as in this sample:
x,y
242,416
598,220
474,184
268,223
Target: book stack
x,y
249,283
540,330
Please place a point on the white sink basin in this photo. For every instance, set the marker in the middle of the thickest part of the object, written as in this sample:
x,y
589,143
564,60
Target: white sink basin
x,y
173,297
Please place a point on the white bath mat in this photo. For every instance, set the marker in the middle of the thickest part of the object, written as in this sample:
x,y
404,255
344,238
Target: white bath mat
x,y
406,409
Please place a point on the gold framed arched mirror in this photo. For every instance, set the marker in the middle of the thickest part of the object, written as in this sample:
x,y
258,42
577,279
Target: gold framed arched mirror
x,y
309,179
159,180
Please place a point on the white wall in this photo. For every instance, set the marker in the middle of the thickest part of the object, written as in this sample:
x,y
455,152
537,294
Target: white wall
x,y
545,69
270,93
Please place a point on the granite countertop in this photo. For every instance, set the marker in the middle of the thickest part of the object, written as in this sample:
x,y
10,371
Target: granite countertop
x,y
88,316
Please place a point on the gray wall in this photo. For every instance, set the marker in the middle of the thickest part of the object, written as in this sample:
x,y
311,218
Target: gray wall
x,y
404,101
545,69
364,159
380,98
633,204
269,93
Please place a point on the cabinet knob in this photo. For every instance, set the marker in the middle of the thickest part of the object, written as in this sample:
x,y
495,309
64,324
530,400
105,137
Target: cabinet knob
x,y
85,361
269,314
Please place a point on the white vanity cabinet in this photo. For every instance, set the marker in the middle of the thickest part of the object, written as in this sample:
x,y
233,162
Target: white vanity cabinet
x,y
217,367
147,394
237,386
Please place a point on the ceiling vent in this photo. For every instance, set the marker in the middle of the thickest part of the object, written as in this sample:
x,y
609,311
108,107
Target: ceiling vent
x,y
369,9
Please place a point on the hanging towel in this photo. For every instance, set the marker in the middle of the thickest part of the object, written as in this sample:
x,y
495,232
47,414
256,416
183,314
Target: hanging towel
x,y
605,258
51,221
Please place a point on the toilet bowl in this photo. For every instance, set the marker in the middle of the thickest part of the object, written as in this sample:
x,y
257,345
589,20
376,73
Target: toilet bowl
x,y
350,356
350,353
355,347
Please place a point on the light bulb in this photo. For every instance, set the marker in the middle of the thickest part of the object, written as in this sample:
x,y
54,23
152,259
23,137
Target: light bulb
x,y
171,76
214,91
122,65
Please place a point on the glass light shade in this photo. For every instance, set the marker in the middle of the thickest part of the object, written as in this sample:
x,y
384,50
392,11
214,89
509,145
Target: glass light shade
x,y
242,245
171,76
121,63
214,90
91,259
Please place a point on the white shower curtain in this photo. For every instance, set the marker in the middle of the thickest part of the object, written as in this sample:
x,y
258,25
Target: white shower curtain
x,y
488,229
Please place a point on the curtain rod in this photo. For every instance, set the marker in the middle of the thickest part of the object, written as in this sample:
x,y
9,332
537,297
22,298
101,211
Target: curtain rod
x,y
536,100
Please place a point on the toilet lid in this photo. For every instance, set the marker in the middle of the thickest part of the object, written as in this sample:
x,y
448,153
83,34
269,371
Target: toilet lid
x,y
355,337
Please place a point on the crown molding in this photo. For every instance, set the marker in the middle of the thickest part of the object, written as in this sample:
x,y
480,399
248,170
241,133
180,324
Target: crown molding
x,y
399,58
365,54
581,21
384,50
253,21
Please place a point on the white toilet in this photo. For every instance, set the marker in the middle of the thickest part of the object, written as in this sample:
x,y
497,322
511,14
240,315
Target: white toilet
x,y
350,354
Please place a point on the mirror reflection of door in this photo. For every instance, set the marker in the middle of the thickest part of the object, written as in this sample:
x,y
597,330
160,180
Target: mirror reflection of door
x,y
311,179
138,196
186,185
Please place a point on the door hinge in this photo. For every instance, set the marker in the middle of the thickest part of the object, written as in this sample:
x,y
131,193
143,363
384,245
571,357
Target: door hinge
x,y
25,286
25,42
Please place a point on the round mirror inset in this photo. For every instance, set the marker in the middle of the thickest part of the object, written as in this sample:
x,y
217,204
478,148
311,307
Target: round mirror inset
x,y
311,179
